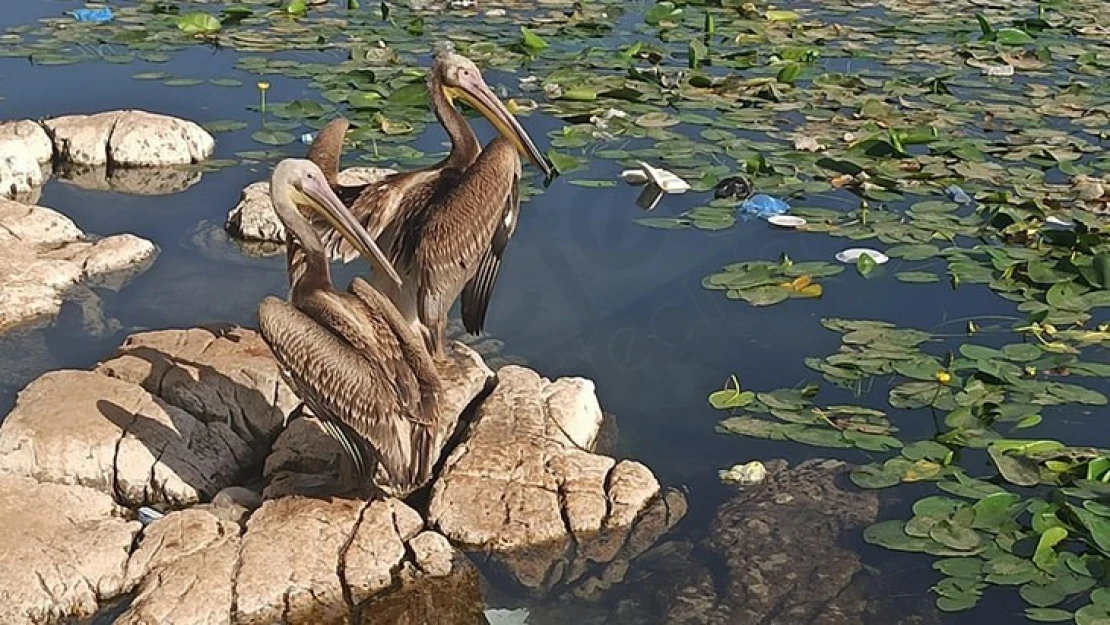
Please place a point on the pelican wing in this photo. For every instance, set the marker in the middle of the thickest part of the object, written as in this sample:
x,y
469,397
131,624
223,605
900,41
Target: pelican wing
x,y
476,294
456,236
352,390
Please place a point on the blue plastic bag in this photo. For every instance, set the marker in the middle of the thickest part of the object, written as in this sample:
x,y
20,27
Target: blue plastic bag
x,y
760,205
957,195
96,16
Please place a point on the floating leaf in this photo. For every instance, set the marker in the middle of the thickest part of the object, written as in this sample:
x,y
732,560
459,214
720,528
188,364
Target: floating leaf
x,y
273,137
197,24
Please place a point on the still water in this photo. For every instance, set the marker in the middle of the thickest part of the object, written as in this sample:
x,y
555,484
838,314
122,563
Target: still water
x,y
583,291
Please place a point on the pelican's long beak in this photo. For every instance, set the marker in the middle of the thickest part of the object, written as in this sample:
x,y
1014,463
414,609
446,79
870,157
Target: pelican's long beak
x,y
322,199
475,92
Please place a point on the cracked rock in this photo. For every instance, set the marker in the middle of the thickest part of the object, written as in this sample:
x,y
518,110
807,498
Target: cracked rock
x,y
253,218
305,460
62,550
525,489
128,138
173,418
45,259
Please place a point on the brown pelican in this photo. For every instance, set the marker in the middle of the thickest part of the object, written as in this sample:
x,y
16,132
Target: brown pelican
x,y
444,227
351,357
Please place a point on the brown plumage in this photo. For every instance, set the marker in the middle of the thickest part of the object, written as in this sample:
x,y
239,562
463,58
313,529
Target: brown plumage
x,y
444,227
353,360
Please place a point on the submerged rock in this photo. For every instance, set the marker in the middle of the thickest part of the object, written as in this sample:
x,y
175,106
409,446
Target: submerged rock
x,y
63,550
771,556
46,259
253,218
525,490
128,138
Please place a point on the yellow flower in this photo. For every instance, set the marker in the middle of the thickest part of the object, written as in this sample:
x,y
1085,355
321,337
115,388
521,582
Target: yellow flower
x,y
944,377
263,86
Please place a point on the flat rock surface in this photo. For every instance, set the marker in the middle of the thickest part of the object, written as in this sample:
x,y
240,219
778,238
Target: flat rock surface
x,y
525,489
62,550
253,218
128,138
45,259
175,417
305,460
300,561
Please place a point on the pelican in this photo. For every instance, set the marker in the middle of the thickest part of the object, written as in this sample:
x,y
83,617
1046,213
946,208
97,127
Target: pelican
x,y
444,227
350,356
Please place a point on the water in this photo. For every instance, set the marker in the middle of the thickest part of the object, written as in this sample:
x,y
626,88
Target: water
x,y
583,290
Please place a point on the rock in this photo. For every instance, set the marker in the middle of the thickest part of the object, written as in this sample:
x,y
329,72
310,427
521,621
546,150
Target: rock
x,y
223,375
253,218
63,549
305,460
526,491
25,158
45,259
133,180
129,138
173,418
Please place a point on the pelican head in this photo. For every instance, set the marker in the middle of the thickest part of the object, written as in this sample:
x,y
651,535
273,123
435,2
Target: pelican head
x,y
297,184
459,78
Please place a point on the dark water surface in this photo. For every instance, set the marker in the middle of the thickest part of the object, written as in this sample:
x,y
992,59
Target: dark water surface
x,y
583,291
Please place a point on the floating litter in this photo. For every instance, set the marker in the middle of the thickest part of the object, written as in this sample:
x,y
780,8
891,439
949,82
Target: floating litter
x,y
957,195
851,255
664,179
95,16
497,616
744,474
999,70
307,138
1059,223
634,176
734,186
762,205
149,515
786,221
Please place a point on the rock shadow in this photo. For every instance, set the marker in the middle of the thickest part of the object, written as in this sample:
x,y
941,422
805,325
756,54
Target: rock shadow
x,y
130,180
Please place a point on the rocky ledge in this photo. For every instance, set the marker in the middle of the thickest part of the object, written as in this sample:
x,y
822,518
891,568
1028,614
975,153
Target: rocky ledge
x,y
192,423
46,259
113,139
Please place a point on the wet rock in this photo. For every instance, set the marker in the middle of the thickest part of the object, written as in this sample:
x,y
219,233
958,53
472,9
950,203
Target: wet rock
x,y
63,549
253,218
305,460
129,138
25,156
525,490
133,180
44,258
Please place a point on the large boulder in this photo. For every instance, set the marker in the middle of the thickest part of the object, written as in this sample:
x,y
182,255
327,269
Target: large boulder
x,y
301,561
254,219
174,418
129,138
25,159
64,549
525,490
45,259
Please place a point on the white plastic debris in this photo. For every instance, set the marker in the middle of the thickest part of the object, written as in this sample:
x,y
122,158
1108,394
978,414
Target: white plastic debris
x,y
999,70
664,179
507,617
1057,222
786,221
852,255
148,515
745,474
634,176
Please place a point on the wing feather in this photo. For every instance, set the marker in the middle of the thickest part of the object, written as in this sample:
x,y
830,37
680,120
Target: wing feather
x,y
342,385
478,291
